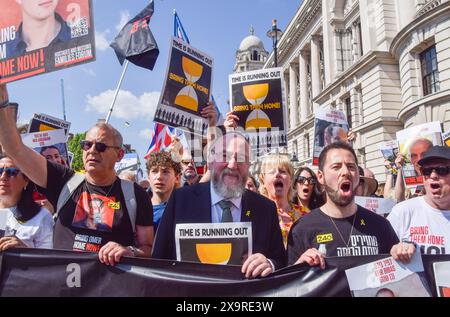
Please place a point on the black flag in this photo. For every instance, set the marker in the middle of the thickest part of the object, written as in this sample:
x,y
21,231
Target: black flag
x,y
135,41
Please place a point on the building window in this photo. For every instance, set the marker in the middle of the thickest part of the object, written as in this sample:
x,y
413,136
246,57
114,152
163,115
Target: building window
x,y
360,40
430,73
295,148
348,111
255,56
306,146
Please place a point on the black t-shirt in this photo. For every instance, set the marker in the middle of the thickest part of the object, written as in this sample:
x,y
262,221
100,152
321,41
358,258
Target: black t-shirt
x,y
371,235
94,215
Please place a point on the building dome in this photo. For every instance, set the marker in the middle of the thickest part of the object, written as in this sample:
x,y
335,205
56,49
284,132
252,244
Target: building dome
x,y
251,41
251,54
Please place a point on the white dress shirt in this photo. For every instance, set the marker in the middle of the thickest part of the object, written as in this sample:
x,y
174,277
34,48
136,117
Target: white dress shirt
x,y
216,210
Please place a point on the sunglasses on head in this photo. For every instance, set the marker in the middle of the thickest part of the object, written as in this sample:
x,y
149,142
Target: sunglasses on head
x,y
303,179
99,146
9,171
440,170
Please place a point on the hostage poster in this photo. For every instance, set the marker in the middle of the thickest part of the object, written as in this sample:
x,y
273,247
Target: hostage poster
x,y
186,89
214,243
257,99
330,125
442,278
389,278
51,144
38,37
413,143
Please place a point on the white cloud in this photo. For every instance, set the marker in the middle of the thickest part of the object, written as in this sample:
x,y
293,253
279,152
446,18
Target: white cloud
x,y
89,71
101,41
124,18
127,106
146,134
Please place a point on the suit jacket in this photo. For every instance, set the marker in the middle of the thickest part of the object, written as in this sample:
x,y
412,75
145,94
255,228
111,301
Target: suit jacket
x,y
192,204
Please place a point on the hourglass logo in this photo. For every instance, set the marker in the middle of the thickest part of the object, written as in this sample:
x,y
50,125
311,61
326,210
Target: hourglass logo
x,y
256,94
187,97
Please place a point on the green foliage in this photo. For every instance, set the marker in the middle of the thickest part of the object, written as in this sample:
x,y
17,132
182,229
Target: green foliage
x,y
75,148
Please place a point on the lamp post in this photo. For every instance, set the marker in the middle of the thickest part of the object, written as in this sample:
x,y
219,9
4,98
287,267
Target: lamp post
x,y
275,34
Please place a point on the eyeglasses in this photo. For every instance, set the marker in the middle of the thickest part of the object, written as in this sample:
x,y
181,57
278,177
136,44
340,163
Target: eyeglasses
x,y
9,171
99,146
440,170
303,179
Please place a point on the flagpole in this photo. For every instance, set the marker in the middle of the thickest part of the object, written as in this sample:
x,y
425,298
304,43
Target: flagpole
x,y
63,99
125,66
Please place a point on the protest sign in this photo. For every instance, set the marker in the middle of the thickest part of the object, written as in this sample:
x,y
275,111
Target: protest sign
x,y
330,125
389,278
442,278
3,220
27,50
214,243
130,162
413,143
257,99
380,206
44,122
51,144
186,89
446,138
389,150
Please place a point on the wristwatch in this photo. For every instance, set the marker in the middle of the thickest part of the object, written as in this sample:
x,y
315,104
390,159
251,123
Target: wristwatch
x,y
134,250
4,104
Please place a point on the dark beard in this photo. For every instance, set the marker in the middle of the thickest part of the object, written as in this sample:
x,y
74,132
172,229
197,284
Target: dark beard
x,y
334,196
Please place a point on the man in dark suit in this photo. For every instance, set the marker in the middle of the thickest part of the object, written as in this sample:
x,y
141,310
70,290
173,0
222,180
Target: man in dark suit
x,y
228,162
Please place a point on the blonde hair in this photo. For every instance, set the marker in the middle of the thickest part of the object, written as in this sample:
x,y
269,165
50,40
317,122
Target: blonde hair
x,y
276,160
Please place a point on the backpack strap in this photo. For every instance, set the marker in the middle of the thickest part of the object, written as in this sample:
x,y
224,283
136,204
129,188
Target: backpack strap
x,y
67,191
130,201
77,179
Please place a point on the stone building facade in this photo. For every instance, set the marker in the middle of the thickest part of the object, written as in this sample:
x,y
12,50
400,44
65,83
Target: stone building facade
x,y
385,63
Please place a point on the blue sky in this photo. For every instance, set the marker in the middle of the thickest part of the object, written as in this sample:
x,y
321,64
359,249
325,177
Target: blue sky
x,y
213,26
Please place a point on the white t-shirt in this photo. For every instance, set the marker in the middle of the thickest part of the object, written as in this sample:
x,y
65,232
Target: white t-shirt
x,y
35,233
415,220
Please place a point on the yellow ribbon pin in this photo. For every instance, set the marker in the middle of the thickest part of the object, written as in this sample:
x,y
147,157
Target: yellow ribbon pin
x,y
247,213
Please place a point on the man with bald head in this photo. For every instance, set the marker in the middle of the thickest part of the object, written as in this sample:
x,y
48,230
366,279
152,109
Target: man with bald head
x,y
225,199
416,152
100,188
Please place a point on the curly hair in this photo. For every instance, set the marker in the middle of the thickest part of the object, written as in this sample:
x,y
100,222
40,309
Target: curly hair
x,y
163,159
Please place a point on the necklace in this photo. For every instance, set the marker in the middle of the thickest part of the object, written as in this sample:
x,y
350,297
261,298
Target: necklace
x,y
98,203
107,194
339,231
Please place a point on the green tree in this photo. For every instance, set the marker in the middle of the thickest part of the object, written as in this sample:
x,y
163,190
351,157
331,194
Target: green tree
x,y
75,148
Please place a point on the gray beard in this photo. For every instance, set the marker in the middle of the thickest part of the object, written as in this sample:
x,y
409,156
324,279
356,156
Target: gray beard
x,y
334,196
223,190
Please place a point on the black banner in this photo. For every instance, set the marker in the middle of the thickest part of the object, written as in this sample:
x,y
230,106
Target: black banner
x,y
37,272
